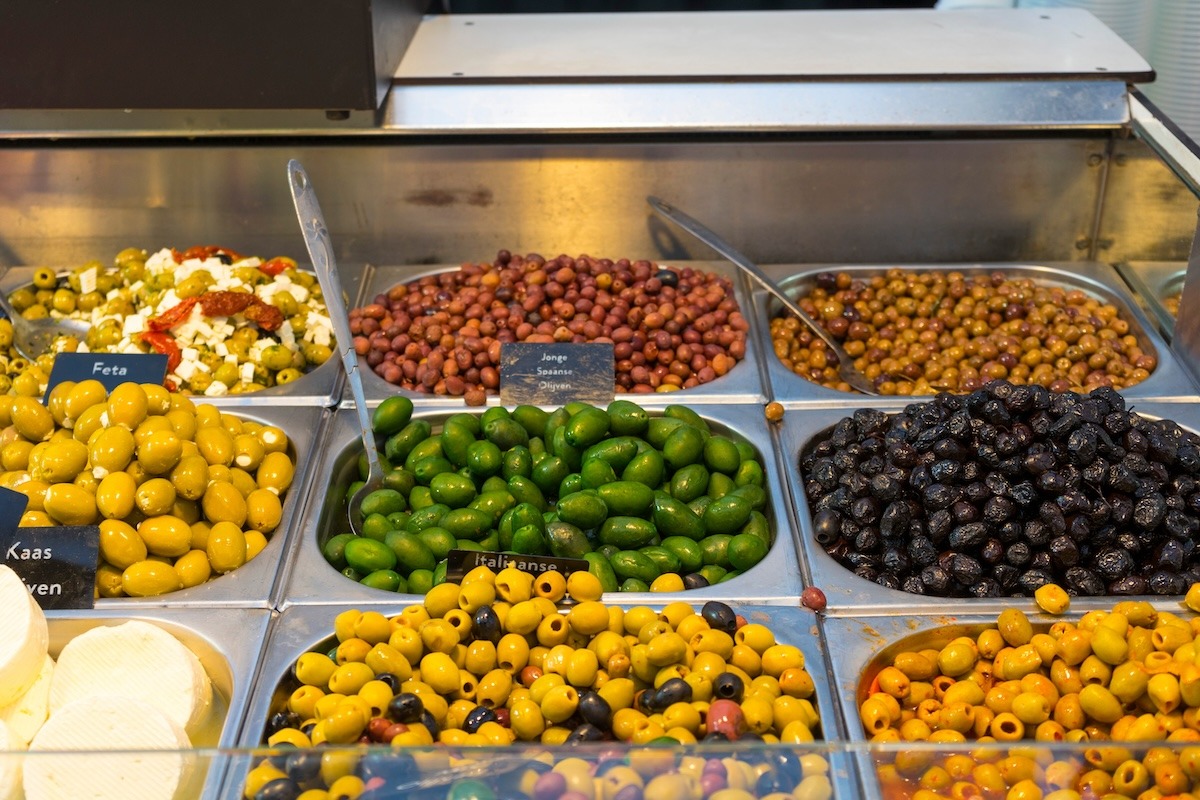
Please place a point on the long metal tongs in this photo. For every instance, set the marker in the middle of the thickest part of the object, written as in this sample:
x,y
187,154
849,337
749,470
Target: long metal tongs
x,y
846,369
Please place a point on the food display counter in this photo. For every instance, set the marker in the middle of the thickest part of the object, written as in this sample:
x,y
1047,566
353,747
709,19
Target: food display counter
x,y
1005,157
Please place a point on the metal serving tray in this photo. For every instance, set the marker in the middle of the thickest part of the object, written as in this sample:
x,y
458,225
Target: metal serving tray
x,y
321,387
302,629
1153,282
850,595
311,580
257,583
743,383
1100,280
229,645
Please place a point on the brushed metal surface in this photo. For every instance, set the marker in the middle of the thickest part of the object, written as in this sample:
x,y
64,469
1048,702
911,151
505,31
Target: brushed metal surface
x,y
415,202
909,43
1153,282
1168,381
852,596
310,580
255,584
1148,212
301,629
742,384
320,387
230,646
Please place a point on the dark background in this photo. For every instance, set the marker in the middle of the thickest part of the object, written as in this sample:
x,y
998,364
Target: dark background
x,y
591,6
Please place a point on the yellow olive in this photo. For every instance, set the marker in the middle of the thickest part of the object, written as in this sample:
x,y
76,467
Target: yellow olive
x,y
150,578
255,542
15,455
35,519
56,402
242,480
263,510
216,445
190,477
138,472
226,547
160,451
248,451
200,530
166,535
120,544
207,415
87,481
155,497
115,496
127,406
233,425
193,568
222,502
186,510
83,396
149,426
89,422
111,450
276,472
70,505
108,581
158,399
32,419
183,422
62,461
273,439
36,492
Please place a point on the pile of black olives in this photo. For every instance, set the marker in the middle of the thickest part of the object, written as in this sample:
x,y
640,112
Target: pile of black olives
x,y
1008,488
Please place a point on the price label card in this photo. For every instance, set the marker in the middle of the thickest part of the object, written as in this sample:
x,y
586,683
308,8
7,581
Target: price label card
x,y
57,564
460,562
111,369
555,374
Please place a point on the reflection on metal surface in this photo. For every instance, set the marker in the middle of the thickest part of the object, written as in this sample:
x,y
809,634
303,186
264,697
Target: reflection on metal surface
x,y
1156,283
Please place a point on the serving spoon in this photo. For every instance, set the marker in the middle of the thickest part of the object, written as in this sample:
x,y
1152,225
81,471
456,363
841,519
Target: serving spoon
x,y
320,250
846,369
34,337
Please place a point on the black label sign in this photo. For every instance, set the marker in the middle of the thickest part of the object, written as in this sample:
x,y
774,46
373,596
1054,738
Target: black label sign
x,y
555,374
58,564
460,562
111,369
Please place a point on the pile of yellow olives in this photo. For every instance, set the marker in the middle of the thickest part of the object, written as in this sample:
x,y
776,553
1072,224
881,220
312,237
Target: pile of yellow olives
x,y
1124,684
181,492
494,661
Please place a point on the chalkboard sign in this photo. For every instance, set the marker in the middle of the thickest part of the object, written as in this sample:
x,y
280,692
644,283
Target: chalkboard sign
x,y
460,562
555,374
58,564
111,369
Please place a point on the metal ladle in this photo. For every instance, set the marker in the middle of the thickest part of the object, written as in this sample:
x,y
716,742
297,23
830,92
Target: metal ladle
x,y
320,250
34,337
846,369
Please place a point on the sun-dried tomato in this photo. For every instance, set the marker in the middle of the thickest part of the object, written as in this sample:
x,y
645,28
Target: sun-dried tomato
x,y
208,251
165,344
172,316
268,317
225,304
277,265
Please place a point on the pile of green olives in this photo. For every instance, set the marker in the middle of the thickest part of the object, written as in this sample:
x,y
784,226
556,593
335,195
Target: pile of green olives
x,y
182,492
660,503
1123,683
493,661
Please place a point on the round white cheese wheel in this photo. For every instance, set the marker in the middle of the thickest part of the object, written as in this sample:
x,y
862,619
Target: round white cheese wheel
x,y
111,725
134,659
25,715
10,764
24,638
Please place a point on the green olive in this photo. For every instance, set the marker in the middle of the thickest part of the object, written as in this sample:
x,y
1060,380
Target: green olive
x,y
226,546
44,278
222,502
120,544
149,579
112,449
32,420
166,535
216,445
155,497
115,497
160,451
190,477
276,357
67,504
263,510
62,461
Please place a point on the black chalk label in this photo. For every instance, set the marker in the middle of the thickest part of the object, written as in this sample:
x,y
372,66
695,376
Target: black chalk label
x,y
556,374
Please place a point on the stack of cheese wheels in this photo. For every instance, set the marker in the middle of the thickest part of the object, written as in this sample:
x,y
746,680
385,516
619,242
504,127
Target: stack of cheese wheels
x,y
127,687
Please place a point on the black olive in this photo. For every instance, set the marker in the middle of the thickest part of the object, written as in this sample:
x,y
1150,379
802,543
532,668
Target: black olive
x,y
1037,533
965,569
1129,585
1180,525
1064,552
280,720
992,552
987,587
674,690
1164,582
895,561
303,765
867,540
719,616
964,512
912,584
1006,576
1023,493
771,782
939,525
1168,556
670,277
1081,444
895,519
1112,563
977,491
968,537
887,580
279,789
405,707
694,580
476,717
584,733
485,625
1082,581
922,551
998,510
1149,512
1051,514
1051,482
393,767
865,510
1032,579
728,686
390,679
938,495
594,710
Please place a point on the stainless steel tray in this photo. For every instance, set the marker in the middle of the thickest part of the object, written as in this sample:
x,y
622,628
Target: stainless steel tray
x,y
310,579
301,629
230,645
850,595
743,383
1153,282
321,387
257,583
1168,381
